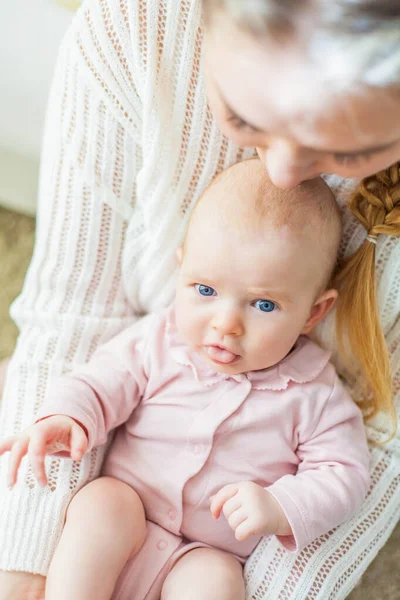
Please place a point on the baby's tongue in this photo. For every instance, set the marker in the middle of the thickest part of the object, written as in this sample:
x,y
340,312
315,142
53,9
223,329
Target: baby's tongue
x,y
221,355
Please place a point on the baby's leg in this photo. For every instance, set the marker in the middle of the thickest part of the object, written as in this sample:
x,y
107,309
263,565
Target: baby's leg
x,y
205,574
105,526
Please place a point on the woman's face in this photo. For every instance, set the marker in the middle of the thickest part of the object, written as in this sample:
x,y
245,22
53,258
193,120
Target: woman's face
x,y
271,97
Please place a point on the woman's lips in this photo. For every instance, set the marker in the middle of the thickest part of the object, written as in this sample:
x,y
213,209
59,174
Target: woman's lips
x,y
221,355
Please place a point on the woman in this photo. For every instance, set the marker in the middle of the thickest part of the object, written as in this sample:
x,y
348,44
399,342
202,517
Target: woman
x,y
130,144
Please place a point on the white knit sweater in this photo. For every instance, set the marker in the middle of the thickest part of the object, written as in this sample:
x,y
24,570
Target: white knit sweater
x,y
129,146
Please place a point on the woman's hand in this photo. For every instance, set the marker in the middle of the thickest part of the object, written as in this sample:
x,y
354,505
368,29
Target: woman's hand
x,y
21,586
250,510
49,436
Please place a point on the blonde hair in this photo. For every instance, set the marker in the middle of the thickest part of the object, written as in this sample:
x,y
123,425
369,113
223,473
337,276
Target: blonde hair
x,y
356,42
377,206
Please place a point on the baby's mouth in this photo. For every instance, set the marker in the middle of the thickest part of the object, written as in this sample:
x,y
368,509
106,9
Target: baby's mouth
x,y
221,355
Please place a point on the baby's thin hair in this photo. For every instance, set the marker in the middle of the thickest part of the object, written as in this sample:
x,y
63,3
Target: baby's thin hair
x,y
296,206
309,205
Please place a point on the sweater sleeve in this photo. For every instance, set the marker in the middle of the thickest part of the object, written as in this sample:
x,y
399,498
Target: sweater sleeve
x,y
102,394
332,478
73,297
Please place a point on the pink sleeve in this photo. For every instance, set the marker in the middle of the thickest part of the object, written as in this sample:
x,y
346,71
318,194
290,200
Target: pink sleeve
x,y
333,477
102,394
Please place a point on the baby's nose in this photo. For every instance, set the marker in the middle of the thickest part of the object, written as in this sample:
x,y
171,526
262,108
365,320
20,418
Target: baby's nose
x,y
228,322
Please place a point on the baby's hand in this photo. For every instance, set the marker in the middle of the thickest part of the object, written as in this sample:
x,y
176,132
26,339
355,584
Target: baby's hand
x,y
250,510
54,434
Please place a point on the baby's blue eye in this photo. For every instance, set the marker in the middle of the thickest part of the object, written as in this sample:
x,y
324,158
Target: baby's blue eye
x,y
205,290
265,305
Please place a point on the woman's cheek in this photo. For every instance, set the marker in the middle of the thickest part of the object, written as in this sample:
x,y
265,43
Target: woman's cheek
x,y
241,138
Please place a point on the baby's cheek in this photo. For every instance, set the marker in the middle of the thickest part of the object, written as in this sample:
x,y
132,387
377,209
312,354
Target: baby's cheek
x,y
186,322
273,345
182,322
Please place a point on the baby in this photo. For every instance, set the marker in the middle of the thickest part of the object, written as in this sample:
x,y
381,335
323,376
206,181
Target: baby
x,y
232,423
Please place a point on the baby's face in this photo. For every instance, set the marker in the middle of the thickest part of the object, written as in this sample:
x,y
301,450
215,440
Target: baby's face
x,y
243,299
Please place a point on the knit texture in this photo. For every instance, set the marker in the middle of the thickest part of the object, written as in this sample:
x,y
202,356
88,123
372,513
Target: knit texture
x,y
129,146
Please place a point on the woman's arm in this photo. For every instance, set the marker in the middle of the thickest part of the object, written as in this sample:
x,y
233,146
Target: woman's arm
x,y
73,297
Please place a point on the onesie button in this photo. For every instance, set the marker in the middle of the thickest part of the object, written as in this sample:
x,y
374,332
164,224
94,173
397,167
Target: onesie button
x,y
198,449
162,544
172,514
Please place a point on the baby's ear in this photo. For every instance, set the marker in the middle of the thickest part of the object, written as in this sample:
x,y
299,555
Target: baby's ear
x,y
179,254
320,309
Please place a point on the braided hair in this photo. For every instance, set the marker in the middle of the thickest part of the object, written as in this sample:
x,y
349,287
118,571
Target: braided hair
x,y
377,206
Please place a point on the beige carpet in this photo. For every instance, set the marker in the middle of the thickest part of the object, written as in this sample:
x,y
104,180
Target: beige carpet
x,y
16,243
381,582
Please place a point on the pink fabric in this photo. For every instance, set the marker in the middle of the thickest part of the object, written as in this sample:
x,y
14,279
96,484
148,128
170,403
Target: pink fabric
x,y
143,575
188,431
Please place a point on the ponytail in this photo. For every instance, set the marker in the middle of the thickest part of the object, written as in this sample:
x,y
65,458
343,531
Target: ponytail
x,y
377,206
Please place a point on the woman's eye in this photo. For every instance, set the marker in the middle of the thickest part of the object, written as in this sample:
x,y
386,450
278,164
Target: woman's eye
x,y
265,305
239,124
350,159
205,290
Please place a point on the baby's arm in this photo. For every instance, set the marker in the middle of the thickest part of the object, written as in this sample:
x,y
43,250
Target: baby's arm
x,y
330,484
102,394
83,407
49,436
333,474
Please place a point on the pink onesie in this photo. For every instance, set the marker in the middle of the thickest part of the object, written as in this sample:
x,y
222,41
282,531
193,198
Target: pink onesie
x,y
187,431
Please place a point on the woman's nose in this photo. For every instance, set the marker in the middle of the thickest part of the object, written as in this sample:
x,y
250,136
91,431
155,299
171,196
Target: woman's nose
x,y
228,322
287,164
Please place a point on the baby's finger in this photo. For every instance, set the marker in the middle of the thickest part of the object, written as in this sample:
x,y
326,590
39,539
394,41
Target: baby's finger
x,y
231,505
244,530
37,454
78,442
237,518
218,501
6,444
18,451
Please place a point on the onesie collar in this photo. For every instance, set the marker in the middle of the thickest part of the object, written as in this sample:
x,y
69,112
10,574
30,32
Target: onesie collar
x,y
302,365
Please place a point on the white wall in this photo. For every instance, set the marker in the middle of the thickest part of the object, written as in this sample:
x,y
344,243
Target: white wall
x,y
30,32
